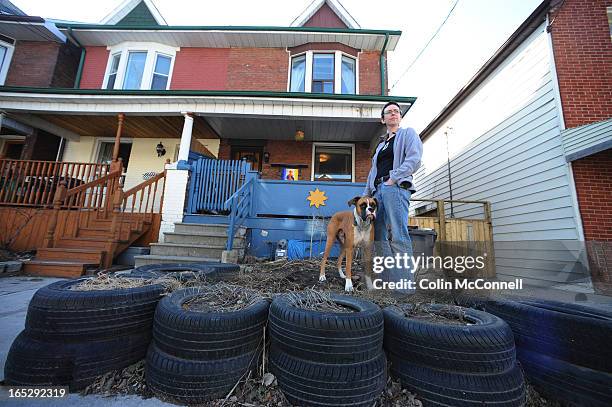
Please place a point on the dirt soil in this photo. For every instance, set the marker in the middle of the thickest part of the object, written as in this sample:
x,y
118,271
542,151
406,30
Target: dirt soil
x,y
268,279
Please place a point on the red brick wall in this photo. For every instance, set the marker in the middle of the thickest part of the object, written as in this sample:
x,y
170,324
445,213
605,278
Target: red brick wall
x,y
593,178
369,73
200,68
68,59
94,67
583,58
293,152
258,69
33,64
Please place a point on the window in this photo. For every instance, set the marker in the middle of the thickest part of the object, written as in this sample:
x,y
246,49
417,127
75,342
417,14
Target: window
x,y
112,75
161,72
105,152
298,73
324,72
6,53
333,162
348,75
134,65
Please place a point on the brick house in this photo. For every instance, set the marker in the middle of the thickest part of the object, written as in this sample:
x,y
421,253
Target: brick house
x,y
532,133
304,98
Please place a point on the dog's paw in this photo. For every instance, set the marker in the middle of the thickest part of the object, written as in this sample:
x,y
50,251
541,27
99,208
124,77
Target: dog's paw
x,y
322,278
369,282
348,285
341,273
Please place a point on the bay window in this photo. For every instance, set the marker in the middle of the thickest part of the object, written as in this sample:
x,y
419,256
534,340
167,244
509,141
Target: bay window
x,y
324,72
6,53
139,66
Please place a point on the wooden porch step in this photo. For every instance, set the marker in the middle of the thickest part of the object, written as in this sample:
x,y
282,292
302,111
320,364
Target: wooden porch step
x,y
84,242
89,256
51,268
103,234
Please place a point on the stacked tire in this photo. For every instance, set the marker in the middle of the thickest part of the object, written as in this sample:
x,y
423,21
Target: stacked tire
x,y
445,364
563,348
184,271
199,356
328,358
73,336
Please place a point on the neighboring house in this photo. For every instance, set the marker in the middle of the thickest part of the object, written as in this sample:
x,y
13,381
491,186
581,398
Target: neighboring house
x,y
33,53
304,98
532,133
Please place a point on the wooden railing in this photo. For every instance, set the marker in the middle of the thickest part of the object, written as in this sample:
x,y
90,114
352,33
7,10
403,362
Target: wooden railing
x,y
142,201
34,183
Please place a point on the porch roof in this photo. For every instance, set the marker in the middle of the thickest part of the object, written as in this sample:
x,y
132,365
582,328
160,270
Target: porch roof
x,y
230,36
232,114
223,103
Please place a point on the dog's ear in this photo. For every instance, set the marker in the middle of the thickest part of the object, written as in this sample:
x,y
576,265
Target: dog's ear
x,y
354,201
375,201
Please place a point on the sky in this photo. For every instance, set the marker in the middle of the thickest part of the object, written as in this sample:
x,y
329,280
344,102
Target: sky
x,y
470,36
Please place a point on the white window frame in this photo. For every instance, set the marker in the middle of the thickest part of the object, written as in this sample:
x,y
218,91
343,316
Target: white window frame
x,y
7,60
312,160
337,69
152,49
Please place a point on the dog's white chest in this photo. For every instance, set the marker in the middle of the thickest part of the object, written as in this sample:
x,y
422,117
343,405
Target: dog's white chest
x,y
361,235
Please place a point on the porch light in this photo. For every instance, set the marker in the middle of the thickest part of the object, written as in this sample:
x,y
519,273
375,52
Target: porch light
x,y
161,150
299,135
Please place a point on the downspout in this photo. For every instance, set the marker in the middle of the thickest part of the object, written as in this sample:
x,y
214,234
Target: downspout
x,y
382,65
77,80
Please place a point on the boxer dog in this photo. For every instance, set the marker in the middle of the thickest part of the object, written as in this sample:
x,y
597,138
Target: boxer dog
x,y
352,229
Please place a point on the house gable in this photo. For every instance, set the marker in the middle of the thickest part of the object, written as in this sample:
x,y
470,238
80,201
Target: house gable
x,y
325,17
325,13
140,15
135,13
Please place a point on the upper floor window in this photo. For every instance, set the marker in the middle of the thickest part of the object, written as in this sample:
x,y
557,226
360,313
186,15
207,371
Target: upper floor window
x,y
139,66
6,53
324,72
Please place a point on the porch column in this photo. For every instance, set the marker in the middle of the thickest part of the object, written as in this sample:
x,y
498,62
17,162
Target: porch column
x,y
183,154
115,162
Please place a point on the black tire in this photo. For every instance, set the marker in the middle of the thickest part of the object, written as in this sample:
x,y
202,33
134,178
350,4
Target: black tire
x,y
202,267
307,383
31,362
440,388
572,336
571,308
330,337
60,314
207,335
486,346
566,382
192,381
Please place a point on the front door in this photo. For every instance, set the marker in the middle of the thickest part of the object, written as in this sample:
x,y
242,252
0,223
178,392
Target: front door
x,y
252,155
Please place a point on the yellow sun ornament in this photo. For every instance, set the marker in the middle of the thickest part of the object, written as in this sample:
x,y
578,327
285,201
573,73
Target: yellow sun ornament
x,y
317,198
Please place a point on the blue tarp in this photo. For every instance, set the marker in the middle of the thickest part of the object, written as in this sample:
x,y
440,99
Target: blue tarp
x,y
300,249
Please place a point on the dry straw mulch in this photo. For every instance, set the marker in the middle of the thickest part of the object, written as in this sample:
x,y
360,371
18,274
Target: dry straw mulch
x,y
222,297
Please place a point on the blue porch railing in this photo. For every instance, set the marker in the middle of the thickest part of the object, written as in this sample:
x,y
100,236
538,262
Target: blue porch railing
x,y
240,203
213,182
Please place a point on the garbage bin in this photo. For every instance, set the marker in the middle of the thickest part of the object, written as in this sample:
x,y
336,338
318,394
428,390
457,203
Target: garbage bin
x,y
423,241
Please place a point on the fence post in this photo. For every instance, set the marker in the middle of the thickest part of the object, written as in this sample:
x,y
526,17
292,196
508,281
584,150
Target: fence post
x,y
58,199
441,220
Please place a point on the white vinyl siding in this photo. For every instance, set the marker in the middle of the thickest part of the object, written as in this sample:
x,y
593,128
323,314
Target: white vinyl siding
x,y
586,140
505,147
